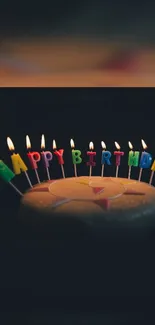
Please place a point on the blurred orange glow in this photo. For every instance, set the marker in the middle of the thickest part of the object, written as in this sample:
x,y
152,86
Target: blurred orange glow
x,y
67,62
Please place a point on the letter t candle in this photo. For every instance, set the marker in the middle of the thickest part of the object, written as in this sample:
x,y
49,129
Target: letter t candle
x,y
91,155
118,155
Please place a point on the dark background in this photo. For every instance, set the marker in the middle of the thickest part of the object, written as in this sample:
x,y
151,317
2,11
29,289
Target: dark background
x,y
46,278
106,19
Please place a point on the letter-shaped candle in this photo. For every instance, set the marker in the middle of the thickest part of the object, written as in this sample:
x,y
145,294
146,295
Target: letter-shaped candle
x,y
145,160
46,156
152,173
106,155
33,157
17,162
7,175
59,155
76,156
118,155
91,155
133,158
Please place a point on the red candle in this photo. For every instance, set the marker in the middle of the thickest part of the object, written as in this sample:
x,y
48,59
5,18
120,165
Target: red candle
x,y
118,155
59,155
33,157
91,155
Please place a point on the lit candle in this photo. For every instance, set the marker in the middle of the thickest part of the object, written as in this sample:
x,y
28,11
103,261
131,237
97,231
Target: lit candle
x,y
33,157
145,160
17,162
46,156
59,155
152,173
91,163
106,155
133,158
76,156
118,155
7,175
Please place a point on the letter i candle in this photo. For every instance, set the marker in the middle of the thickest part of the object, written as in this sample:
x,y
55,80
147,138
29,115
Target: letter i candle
x,y
145,160
59,154
118,155
17,162
33,157
6,174
46,156
76,156
91,163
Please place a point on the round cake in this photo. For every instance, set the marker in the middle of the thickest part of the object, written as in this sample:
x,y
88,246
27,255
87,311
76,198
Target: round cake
x,y
93,200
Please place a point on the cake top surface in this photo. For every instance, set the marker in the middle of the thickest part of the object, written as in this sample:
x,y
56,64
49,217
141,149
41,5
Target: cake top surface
x,y
93,195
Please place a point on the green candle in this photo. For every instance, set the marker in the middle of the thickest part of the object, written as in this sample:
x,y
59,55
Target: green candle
x,y
133,158
76,156
5,172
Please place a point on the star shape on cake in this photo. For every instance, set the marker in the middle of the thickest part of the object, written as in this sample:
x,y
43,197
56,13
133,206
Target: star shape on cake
x,y
102,202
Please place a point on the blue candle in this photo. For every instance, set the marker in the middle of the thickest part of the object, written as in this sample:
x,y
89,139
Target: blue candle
x,y
105,159
145,160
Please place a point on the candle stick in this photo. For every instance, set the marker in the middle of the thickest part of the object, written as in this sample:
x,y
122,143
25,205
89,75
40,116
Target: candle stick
x,y
106,155
76,156
17,162
91,163
46,156
152,173
145,160
33,157
118,155
7,175
59,155
133,159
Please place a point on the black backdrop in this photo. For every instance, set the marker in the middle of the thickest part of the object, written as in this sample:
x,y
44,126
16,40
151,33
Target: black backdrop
x,y
32,276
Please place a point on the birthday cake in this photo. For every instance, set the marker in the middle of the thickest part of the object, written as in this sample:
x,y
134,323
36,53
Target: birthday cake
x,y
90,199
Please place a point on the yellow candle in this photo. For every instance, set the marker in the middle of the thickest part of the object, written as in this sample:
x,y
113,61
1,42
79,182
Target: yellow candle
x,y
17,162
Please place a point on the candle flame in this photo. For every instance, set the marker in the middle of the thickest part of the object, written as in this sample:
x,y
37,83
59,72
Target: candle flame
x,y
54,145
130,145
43,142
10,144
28,143
91,146
117,146
103,144
72,144
144,144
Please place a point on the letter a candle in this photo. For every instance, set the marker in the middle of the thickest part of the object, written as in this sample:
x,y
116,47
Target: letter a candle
x,y
59,154
17,162
91,163
152,173
76,156
118,155
33,157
